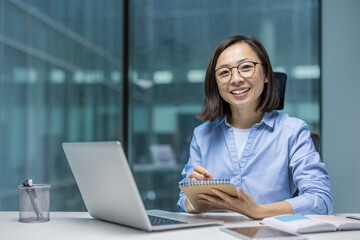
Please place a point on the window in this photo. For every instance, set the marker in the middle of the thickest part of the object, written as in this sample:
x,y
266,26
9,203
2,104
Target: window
x,y
171,45
61,79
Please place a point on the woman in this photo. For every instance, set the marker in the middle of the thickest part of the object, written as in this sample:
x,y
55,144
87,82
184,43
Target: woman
x,y
267,155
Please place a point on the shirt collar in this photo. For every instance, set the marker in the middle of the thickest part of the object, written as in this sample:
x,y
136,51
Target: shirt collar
x,y
268,119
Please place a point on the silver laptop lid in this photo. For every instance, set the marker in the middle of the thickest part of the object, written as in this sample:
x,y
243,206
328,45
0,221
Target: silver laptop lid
x,y
106,183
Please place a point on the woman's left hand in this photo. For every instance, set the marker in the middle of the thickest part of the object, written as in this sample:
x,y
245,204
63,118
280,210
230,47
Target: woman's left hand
x,y
243,203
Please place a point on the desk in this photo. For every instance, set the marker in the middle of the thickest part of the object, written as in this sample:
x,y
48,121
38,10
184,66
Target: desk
x,y
80,225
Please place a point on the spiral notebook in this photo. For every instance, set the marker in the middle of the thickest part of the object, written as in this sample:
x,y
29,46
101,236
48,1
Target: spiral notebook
x,y
192,189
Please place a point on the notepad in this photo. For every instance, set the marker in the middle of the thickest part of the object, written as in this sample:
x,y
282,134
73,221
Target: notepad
x,y
192,189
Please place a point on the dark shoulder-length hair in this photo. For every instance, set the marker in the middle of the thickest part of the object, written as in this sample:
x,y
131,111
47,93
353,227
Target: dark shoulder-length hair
x,y
214,105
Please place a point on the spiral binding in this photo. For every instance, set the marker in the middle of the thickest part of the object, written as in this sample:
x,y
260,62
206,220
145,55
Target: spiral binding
x,y
206,182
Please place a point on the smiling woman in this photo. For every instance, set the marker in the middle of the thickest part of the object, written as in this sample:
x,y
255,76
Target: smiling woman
x,y
267,155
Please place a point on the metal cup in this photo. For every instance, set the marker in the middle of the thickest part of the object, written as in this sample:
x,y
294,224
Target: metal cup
x,y
34,203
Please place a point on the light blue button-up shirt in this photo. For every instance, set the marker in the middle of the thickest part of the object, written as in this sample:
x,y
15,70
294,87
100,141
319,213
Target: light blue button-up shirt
x,y
279,157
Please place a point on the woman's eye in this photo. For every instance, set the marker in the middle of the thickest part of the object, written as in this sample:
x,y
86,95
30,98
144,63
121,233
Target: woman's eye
x,y
246,67
224,73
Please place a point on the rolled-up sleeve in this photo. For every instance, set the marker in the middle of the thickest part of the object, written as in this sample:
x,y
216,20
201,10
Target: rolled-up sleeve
x,y
309,174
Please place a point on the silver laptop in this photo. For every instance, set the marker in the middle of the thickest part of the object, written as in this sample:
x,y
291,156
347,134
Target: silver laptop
x,y
110,193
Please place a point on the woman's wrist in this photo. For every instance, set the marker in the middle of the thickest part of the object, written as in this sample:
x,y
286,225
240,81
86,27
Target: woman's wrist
x,y
272,209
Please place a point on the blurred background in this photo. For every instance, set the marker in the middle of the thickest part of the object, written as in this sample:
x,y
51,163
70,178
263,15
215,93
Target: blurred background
x,y
133,71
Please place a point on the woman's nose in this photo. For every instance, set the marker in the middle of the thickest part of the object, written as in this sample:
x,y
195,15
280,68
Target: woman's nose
x,y
236,76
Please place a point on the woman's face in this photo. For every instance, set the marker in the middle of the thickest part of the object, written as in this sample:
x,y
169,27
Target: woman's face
x,y
241,93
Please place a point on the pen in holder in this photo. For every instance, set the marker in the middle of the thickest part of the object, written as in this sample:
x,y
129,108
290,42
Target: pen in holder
x,y
34,202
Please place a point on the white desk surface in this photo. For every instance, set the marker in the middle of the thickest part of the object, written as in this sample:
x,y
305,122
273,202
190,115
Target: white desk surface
x,y
80,225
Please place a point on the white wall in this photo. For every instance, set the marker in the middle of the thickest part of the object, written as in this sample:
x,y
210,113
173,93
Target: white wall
x,y
341,100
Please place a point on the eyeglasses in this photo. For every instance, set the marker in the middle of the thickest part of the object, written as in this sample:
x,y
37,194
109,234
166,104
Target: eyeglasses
x,y
246,69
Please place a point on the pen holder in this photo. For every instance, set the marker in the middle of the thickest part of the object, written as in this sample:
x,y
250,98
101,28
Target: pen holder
x,y
34,203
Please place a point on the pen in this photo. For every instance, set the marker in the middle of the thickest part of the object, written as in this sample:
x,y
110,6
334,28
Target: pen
x,y
33,197
206,175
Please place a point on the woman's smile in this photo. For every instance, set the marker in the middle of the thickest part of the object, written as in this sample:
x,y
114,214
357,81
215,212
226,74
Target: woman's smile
x,y
239,93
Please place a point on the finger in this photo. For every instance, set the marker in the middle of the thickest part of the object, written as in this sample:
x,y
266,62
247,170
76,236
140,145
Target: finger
x,y
213,202
246,197
204,172
208,176
207,197
196,176
200,169
241,193
224,196
210,204
209,200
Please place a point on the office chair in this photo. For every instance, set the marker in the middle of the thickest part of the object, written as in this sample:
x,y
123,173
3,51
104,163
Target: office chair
x,y
281,84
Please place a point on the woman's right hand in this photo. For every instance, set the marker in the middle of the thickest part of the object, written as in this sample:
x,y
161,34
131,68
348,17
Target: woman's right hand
x,y
200,174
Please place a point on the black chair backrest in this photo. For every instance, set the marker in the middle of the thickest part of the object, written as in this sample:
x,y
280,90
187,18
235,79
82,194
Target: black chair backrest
x,y
316,140
281,84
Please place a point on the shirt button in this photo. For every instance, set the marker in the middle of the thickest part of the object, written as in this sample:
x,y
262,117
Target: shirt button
x,y
238,177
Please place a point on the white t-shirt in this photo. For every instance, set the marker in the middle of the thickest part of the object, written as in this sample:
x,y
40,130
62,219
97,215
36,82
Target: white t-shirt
x,y
241,136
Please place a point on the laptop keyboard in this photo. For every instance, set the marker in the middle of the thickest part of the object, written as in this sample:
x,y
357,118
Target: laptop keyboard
x,y
156,221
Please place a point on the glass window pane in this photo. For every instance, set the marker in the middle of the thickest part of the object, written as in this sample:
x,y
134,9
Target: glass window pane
x,y
60,81
172,42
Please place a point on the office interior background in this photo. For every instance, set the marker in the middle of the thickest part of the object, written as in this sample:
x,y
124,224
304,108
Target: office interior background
x,y
133,71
